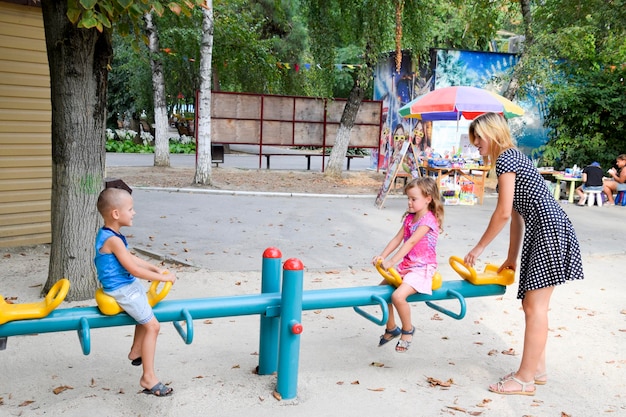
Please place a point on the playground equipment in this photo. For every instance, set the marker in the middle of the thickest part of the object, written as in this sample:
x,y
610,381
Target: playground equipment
x,y
56,295
279,306
109,307
393,277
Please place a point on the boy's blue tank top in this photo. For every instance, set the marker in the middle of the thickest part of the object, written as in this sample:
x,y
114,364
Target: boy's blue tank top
x,y
110,271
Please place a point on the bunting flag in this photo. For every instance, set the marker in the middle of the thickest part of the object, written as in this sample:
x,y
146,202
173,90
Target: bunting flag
x,y
306,66
283,65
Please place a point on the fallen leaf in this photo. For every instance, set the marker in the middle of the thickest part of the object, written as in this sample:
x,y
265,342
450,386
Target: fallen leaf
x,y
492,352
377,364
376,389
479,343
564,414
277,396
452,407
261,398
509,351
237,282
475,413
198,377
339,382
25,403
235,367
436,317
355,382
332,272
436,382
60,389
330,317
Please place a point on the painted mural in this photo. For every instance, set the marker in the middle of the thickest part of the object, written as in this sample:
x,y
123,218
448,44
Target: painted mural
x,y
446,68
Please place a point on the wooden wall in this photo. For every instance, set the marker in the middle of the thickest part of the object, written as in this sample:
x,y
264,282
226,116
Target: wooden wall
x,y
25,128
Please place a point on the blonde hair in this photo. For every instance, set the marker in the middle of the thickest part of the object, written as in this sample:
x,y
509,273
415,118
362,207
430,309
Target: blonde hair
x,y
494,128
429,188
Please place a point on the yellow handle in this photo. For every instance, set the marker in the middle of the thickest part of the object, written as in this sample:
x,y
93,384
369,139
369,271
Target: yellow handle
x,y
108,306
56,295
489,276
393,277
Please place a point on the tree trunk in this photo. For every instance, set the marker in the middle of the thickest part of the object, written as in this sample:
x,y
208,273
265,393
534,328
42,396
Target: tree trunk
x,y
337,155
78,60
203,149
161,139
511,90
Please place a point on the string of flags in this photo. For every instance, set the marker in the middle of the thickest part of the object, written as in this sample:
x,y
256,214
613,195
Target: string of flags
x,y
297,67
286,65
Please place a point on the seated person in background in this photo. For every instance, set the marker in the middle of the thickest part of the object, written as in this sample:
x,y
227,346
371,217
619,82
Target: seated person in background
x,y
618,179
592,181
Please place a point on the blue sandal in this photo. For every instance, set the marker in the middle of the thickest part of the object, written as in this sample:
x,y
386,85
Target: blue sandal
x,y
393,333
403,345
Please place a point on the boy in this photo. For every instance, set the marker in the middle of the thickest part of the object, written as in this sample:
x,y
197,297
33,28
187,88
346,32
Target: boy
x,y
592,181
117,269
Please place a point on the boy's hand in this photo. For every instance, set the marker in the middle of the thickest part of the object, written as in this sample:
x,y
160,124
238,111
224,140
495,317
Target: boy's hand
x,y
169,276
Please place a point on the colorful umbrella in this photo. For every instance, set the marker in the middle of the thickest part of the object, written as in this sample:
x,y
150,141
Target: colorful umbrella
x,y
450,103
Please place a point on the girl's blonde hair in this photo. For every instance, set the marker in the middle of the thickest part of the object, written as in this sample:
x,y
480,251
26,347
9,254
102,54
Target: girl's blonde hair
x,y
494,128
428,187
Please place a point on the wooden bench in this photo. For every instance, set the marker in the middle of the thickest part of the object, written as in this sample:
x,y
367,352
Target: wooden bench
x,y
308,158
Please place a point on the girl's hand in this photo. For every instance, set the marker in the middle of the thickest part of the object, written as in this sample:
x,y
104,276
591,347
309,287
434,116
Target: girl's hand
x,y
386,265
377,259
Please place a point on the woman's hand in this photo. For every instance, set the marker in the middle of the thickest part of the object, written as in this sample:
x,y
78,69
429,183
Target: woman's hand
x,y
472,256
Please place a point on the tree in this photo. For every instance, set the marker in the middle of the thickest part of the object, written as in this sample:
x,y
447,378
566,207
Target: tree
x,y
203,165
78,42
577,57
161,137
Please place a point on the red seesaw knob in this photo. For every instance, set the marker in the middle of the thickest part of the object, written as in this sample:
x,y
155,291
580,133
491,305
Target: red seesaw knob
x,y
297,328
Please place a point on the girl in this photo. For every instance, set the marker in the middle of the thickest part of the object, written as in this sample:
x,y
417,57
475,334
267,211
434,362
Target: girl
x,y
550,252
417,241
617,181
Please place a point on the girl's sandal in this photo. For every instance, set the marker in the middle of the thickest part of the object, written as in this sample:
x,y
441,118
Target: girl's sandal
x,y
500,389
391,334
403,345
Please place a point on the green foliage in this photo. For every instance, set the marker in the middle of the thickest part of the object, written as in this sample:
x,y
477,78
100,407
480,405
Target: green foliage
x,y
128,146
587,118
579,60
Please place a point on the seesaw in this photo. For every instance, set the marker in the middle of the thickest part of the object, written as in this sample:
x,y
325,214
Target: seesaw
x,y
279,306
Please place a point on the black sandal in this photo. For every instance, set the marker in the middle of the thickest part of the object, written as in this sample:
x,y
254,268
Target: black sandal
x,y
393,333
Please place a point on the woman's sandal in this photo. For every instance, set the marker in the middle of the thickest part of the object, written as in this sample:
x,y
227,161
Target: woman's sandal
x,y
403,345
392,335
540,379
499,387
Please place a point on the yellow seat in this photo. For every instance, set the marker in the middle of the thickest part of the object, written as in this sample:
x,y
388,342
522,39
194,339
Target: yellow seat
x,y
393,277
108,306
56,295
489,276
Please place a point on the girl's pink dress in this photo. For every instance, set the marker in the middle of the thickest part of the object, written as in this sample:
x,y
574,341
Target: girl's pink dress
x,y
420,264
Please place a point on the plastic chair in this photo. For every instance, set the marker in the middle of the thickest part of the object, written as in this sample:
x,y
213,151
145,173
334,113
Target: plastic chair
x,y
620,199
593,196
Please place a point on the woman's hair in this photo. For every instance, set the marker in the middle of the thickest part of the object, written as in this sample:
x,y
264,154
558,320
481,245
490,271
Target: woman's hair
x,y
494,128
428,187
622,157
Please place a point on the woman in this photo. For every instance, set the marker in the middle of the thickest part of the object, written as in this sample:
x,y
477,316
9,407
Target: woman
x,y
550,251
617,181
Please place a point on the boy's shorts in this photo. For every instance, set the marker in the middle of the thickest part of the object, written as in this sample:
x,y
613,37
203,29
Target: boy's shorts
x,y
132,298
